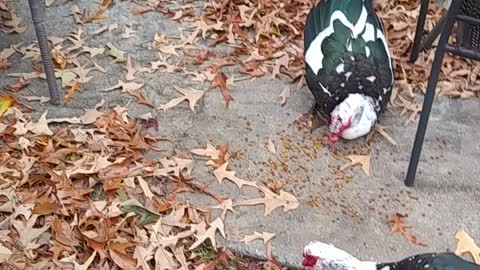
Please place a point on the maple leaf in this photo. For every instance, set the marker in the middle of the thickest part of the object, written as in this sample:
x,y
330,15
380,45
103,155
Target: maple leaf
x,y
364,161
217,224
467,244
397,225
273,201
189,94
265,236
220,81
222,173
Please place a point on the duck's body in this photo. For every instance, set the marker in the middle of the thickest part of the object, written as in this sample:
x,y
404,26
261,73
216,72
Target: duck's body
x,y
347,61
321,256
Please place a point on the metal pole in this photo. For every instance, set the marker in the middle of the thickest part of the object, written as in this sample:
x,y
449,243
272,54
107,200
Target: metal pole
x,y
37,8
428,100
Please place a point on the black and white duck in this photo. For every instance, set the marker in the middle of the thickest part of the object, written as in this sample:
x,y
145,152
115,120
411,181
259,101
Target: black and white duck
x,y
348,66
322,256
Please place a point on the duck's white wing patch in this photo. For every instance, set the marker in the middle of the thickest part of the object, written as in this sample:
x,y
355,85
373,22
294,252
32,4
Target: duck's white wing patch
x,y
314,55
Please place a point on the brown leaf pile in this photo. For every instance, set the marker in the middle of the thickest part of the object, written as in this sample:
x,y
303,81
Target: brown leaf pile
x,y
86,195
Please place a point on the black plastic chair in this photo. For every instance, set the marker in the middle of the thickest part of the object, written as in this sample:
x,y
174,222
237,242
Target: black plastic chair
x,y
466,13
37,9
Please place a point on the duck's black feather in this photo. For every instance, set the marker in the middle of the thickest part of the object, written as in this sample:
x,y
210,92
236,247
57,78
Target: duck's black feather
x,y
348,62
430,261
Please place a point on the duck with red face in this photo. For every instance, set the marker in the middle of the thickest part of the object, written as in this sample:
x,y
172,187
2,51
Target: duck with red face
x,y
321,256
348,66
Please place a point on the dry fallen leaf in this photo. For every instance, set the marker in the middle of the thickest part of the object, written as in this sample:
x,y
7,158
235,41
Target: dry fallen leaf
x,y
467,244
118,55
220,260
282,61
129,32
273,201
189,94
217,224
146,190
222,173
220,81
19,85
364,161
97,14
27,233
397,225
284,95
274,184
73,87
41,99
265,236
131,71
5,103
226,205
381,130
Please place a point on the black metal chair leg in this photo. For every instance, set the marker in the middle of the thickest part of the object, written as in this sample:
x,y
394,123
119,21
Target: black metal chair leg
x,y
37,8
436,31
427,102
417,41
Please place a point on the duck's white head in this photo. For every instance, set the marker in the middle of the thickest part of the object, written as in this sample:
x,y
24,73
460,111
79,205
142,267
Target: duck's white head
x,y
352,118
322,256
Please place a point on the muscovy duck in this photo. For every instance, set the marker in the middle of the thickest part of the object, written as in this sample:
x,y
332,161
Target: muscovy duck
x,y
322,256
348,66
